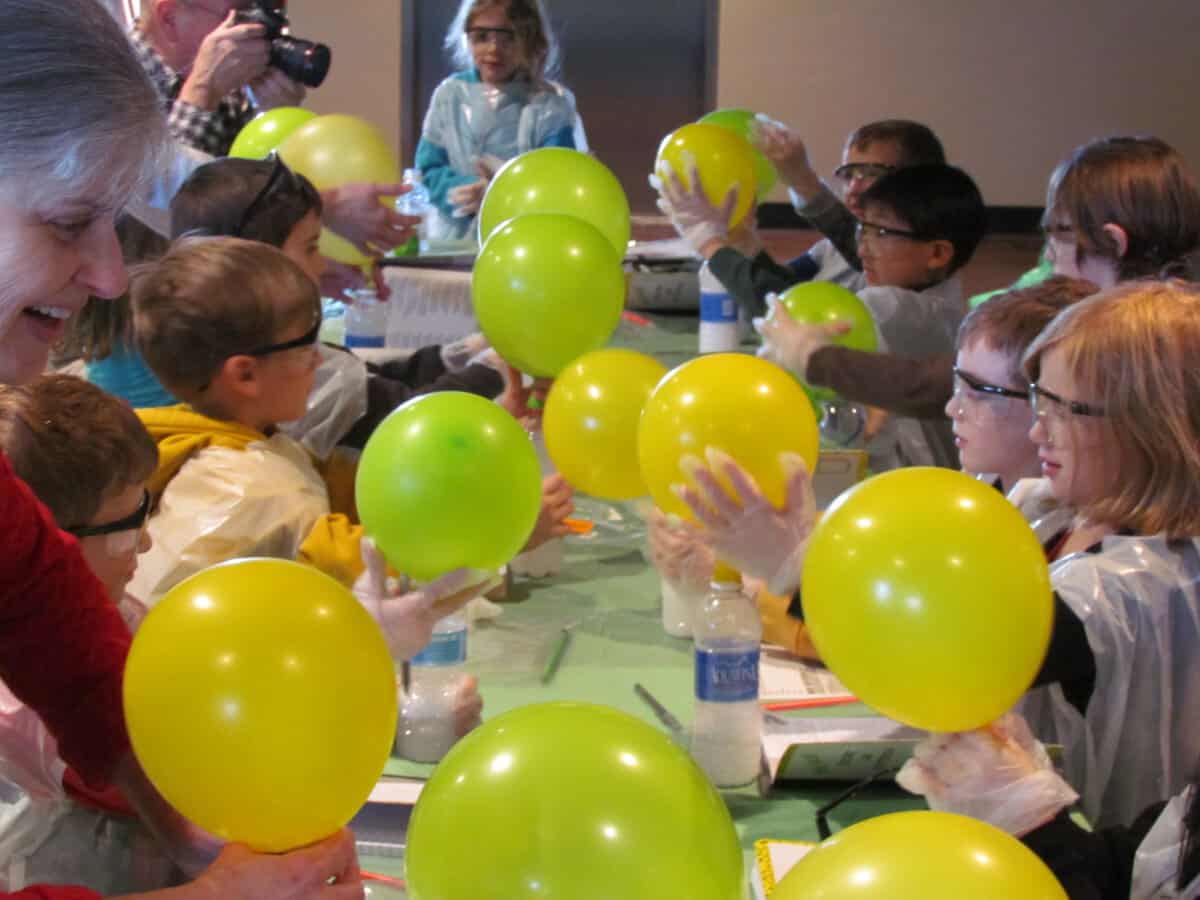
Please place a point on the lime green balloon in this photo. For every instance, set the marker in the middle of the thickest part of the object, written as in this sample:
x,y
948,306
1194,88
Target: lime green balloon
x,y
575,802
547,288
448,480
823,303
558,180
741,122
266,131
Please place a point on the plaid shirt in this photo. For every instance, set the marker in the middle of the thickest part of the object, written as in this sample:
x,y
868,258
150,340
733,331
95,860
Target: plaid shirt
x,y
212,131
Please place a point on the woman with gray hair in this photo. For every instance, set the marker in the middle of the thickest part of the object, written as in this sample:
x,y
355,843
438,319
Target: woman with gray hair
x,y
82,128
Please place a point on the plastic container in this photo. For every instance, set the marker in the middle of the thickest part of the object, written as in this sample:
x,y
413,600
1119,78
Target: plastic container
x,y
727,720
679,607
719,328
415,203
366,320
426,731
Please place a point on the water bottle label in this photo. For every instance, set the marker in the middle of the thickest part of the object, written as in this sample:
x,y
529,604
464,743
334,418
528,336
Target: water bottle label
x,y
365,340
724,676
717,308
449,648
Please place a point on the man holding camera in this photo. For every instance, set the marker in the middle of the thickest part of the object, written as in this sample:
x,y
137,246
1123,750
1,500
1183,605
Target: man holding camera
x,y
202,60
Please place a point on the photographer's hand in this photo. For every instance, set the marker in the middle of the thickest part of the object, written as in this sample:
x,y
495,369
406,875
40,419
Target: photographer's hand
x,y
230,57
273,89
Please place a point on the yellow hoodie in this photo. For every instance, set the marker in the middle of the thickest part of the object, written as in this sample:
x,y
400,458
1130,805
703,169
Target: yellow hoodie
x,y
223,491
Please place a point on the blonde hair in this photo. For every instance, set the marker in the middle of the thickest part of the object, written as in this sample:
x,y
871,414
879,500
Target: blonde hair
x,y
210,298
1135,347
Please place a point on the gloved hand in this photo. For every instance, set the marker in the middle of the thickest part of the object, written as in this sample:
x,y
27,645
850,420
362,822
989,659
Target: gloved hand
x,y
407,617
999,774
698,222
784,149
678,551
746,530
557,504
789,343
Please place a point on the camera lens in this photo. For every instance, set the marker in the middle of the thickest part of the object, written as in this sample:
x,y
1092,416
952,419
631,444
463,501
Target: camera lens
x,y
301,60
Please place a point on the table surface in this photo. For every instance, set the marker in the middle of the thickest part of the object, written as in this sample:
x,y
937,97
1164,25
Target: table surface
x,y
609,595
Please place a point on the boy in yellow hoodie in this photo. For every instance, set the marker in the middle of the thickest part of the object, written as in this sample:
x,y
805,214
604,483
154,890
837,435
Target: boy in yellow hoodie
x,y
230,327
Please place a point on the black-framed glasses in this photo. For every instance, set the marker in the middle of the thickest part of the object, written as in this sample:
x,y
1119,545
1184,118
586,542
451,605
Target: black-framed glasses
x,y
860,171
135,520
822,813
875,231
1047,404
984,387
503,37
281,176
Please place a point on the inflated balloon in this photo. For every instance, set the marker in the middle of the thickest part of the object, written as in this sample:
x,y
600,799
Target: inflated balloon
x,y
580,802
723,159
591,421
557,180
928,594
748,407
547,288
261,702
266,131
448,480
331,151
741,123
920,856
823,303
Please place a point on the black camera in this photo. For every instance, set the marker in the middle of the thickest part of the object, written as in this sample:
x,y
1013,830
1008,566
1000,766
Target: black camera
x,y
298,59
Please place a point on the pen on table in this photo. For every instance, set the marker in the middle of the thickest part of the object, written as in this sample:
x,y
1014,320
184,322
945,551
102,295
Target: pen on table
x,y
560,649
661,712
405,675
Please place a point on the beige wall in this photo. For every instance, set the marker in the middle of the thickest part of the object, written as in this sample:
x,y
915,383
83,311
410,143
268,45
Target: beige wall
x,y
1009,85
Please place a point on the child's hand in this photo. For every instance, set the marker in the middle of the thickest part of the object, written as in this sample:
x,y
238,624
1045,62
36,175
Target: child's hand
x,y
407,619
999,774
557,504
678,551
789,343
784,148
704,226
468,706
466,198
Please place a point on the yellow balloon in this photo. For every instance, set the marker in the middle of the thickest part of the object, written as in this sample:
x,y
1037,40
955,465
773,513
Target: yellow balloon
x,y
336,247
928,594
591,420
920,856
261,701
723,159
748,407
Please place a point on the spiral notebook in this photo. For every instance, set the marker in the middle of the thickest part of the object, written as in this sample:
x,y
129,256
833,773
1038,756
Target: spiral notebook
x,y
772,860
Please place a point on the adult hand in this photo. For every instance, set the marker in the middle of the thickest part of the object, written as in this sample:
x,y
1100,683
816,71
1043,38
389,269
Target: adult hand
x,y
324,871
229,57
789,343
999,774
785,149
408,617
273,89
557,503
745,529
355,212
704,226
678,550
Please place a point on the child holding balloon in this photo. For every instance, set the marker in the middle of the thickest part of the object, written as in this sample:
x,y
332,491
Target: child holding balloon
x,y
1115,396
499,106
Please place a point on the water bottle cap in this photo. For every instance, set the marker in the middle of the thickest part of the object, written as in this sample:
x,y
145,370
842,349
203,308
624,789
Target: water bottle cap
x,y
723,573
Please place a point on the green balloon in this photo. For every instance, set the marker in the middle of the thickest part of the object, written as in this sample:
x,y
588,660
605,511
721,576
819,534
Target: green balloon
x,y
575,802
266,131
823,303
557,180
740,122
547,288
448,480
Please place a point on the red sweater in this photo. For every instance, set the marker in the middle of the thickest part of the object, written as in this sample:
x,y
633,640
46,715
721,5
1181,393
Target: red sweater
x,y
62,642
49,892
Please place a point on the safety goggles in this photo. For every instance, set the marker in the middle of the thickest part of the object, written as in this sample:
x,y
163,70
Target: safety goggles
x,y
1049,406
976,398
502,37
122,535
861,171
281,178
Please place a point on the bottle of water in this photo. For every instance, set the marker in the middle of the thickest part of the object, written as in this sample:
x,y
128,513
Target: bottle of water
x,y
719,329
727,723
366,320
414,203
680,603
426,728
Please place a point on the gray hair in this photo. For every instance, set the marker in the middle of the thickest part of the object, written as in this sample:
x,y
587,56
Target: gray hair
x,y
77,107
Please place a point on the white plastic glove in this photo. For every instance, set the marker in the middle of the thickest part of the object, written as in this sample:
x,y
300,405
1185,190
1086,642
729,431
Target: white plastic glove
x,y
746,530
999,774
789,343
407,617
678,551
689,209
459,354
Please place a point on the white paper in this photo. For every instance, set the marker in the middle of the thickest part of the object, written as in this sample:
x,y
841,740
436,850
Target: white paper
x,y
783,677
428,306
783,855
403,791
836,749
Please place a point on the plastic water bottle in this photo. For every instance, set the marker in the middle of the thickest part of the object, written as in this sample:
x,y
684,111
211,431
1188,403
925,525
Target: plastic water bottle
x,y
727,723
414,203
719,329
366,320
679,606
426,728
